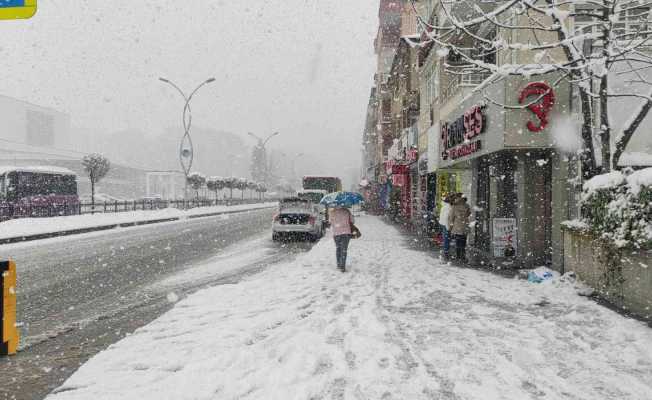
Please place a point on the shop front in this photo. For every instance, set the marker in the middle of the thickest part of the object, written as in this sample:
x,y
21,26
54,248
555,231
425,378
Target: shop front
x,y
504,161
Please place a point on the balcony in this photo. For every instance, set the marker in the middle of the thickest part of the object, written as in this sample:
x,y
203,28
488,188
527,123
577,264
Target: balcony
x,y
459,82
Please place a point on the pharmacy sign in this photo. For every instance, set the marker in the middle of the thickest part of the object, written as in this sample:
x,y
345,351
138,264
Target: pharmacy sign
x,y
17,9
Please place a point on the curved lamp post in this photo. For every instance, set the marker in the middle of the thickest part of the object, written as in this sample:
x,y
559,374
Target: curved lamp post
x,y
261,144
186,151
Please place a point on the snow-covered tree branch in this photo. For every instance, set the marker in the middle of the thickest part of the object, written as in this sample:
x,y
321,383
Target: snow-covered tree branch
x,y
586,42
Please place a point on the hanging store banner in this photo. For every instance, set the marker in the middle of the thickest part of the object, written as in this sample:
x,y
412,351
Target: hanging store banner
x,y
458,138
504,237
17,9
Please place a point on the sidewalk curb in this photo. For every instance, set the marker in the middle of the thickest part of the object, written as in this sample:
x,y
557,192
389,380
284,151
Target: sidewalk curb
x,y
69,232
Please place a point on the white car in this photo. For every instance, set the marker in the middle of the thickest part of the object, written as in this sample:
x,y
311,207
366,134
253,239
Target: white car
x,y
315,196
297,217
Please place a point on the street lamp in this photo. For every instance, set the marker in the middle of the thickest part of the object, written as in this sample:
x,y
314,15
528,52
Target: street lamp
x,y
186,153
294,159
232,158
261,145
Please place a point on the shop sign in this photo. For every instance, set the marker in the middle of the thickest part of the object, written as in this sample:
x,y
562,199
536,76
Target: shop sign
x,y
541,98
411,155
457,136
504,237
399,180
400,169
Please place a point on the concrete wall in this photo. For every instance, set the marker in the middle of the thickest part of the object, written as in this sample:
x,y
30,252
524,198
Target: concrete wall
x,y
629,285
560,205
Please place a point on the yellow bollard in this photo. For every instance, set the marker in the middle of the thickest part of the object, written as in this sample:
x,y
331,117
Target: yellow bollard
x,y
8,332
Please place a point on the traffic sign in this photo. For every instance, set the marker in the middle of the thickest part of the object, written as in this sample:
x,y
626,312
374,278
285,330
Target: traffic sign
x,y
17,9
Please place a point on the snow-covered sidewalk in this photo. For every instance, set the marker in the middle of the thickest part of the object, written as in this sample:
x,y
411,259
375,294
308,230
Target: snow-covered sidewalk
x,y
398,325
38,226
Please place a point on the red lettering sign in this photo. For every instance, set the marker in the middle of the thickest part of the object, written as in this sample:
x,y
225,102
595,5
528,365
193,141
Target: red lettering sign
x,y
541,105
455,136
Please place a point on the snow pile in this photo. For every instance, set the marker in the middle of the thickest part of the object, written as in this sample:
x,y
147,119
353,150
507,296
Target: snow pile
x,y
397,325
638,180
576,224
36,226
617,206
605,181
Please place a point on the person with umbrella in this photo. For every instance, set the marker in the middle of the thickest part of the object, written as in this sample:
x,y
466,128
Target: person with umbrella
x,y
342,222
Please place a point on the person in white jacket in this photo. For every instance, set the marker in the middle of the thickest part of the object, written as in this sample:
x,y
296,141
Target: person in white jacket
x,y
444,215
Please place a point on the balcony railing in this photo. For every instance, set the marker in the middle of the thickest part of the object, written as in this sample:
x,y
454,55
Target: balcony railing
x,y
461,81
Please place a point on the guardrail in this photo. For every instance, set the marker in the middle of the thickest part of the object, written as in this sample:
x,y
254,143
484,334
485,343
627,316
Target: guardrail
x,y
30,210
144,205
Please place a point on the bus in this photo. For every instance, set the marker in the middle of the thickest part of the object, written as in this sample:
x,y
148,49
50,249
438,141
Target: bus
x,y
40,191
328,183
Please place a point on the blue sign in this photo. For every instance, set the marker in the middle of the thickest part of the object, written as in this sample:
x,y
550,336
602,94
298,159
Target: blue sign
x,y
17,9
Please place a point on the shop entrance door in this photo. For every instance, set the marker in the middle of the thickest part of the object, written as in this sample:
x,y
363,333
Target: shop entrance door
x,y
540,186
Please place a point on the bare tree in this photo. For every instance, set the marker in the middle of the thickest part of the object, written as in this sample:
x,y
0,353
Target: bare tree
x,y
230,183
196,181
587,43
241,184
96,166
215,184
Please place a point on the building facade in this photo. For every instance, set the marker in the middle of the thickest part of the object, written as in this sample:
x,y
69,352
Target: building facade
x,y
31,135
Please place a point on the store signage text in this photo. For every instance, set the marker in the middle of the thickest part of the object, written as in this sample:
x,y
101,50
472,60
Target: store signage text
x,y
457,136
504,237
541,104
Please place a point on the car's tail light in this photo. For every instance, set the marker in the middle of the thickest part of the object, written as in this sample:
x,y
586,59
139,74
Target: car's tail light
x,y
276,217
311,220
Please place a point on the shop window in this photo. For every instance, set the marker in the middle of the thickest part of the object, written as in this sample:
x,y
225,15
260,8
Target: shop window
x,y
502,190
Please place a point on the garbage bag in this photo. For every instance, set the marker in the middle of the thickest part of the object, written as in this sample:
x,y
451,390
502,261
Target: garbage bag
x,y
539,275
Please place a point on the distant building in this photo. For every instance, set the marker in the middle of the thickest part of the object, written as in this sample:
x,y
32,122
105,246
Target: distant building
x,y
166,185
30,124
31,135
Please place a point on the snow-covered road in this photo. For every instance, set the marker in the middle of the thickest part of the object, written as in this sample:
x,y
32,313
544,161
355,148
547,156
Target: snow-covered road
x,y
399,325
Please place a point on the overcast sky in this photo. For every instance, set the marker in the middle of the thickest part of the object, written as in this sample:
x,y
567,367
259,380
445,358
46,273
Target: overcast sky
x,y
302,67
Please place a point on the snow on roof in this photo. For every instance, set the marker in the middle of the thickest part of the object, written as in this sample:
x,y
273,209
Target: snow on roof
x,y
312,191
42,169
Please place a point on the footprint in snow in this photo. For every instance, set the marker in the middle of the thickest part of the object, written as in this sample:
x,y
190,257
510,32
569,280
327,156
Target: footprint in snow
x,y
323,365
350,359
383,362
339,309
354,321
